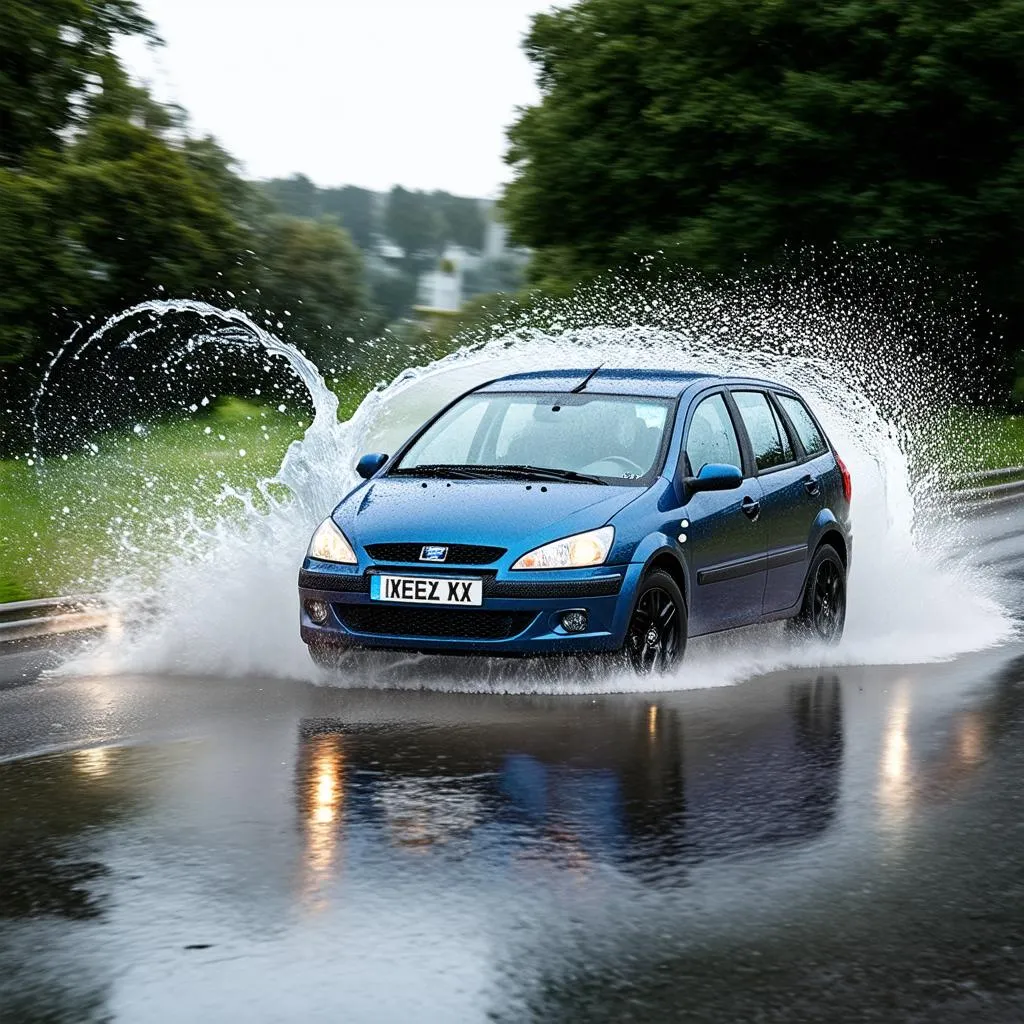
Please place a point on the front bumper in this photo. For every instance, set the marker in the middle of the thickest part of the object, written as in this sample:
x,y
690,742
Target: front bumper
x,y
520,614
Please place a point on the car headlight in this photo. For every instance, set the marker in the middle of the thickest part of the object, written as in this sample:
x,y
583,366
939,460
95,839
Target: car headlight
x,y
329,544
590,548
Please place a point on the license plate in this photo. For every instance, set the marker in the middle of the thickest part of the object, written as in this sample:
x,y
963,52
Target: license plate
x,y
426,590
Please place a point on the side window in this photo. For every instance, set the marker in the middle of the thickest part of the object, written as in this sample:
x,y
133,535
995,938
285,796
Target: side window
x,y
712,437
767,436
806,429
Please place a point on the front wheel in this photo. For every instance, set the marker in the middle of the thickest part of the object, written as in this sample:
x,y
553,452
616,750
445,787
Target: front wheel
x,y
823,615
656,637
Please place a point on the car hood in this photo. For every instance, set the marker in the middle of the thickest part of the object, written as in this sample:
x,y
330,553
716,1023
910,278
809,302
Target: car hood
x,y
509,514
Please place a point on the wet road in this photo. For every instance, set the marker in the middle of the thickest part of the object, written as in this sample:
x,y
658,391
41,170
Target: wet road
x,y
835,845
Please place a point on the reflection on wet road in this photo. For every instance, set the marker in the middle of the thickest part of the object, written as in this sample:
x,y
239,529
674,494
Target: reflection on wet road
x,y
831,846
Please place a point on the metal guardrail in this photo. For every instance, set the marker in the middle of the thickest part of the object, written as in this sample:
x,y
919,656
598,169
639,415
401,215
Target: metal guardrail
x,y
988,494
994,474
47,616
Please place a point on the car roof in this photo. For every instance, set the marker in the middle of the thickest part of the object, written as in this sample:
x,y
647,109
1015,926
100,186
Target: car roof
x,y
611,381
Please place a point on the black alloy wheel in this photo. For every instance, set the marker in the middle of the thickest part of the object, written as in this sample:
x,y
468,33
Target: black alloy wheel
x,y
823,615
656,637
829,601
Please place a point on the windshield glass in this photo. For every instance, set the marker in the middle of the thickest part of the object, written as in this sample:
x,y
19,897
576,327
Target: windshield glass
x,y
608,438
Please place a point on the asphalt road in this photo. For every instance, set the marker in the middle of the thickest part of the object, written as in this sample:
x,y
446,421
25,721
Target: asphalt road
x,y
838,845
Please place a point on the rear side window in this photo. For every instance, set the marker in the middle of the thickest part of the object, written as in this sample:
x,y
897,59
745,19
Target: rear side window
x,y
768,438
712,437
806,429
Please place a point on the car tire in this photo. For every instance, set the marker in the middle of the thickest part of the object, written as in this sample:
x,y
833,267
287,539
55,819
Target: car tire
x,y
657,630
822,615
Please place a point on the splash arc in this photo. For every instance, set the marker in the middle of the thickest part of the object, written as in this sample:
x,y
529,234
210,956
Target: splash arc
x,y
219,597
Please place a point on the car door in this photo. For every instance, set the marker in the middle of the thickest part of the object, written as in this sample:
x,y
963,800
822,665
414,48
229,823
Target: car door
x,y
724,533
790,501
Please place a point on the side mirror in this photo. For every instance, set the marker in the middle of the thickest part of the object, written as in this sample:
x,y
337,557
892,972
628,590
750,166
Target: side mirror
x,y
369,464
715,476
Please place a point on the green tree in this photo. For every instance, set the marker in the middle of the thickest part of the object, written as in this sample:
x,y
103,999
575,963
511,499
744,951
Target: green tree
x,y
39,264
412,222
296,196
312,273
463,222
104,197
393,291
717,130
54,54
356,208
147,212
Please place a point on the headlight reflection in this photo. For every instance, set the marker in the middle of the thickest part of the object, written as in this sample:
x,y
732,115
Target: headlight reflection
x,y
895,768
322,808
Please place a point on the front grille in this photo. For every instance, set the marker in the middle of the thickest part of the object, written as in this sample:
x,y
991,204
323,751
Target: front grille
x,y
447,623
563,588
339,583
458,554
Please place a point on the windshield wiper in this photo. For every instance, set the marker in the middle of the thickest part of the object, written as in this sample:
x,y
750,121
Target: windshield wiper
x,y
543,473
440,469
463,471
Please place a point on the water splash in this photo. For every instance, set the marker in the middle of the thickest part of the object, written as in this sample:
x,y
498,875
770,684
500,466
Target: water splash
x,y
212,589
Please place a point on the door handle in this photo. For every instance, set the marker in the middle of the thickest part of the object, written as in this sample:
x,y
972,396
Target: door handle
x,y
751,508
812,486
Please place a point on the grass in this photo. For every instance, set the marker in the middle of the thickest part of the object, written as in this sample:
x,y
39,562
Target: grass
x,y
974,441
61,521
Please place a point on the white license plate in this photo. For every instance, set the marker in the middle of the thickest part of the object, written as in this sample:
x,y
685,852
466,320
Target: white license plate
x,y
426,590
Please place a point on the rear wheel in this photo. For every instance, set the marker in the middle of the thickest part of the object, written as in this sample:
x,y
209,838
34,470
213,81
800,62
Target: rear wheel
x,y
656,637
823,615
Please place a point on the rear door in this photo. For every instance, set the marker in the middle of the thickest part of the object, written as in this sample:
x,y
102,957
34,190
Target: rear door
x,y
791,498
724,533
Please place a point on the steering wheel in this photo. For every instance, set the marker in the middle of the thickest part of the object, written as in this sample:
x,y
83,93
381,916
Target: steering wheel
x,y
629,464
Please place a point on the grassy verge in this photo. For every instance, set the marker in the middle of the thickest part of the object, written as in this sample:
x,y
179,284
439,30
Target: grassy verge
x,y
58,524
975,441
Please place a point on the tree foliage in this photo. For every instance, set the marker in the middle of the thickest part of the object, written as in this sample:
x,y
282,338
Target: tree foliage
x,y
355,208
106,199
146,213
721,130
462,220
311,273
296,196
412,222
54,56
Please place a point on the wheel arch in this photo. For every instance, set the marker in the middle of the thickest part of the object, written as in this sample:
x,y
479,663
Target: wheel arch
x,y
831,537
834,539
668,561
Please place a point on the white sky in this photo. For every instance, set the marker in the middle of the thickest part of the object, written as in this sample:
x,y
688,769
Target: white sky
x,y
362,92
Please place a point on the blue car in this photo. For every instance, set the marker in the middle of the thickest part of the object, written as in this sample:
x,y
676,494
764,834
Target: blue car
x,y
573,511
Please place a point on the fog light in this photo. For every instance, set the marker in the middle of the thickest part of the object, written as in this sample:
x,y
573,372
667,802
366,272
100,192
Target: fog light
x,y
574,622
317,611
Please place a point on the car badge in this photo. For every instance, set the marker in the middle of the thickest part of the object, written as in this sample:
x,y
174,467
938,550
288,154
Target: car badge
x,y
433,553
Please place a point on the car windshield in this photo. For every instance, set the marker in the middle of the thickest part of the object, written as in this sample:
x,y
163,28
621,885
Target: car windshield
x,y
582,438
